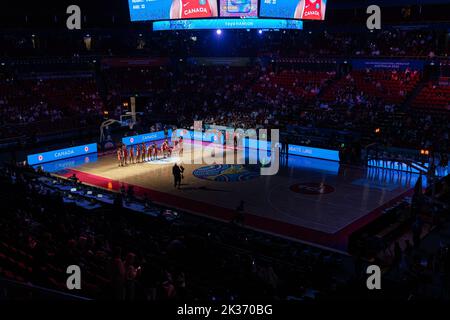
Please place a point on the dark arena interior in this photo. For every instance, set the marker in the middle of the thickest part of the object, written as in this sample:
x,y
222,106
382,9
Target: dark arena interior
x,y
220,152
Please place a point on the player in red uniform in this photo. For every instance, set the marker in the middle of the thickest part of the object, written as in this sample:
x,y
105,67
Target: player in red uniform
x,y
175,146
138,153
124,155
164,149
131,154
155,151
310,10
149,152
144,152
188,9
180,146
169,149
119,156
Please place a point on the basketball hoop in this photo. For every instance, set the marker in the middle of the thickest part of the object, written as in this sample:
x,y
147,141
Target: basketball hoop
x,y
127,120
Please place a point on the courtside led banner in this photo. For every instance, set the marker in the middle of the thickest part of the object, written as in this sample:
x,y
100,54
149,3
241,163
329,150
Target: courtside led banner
x,y
142,138
258,144
318,153
60,154
295,150
207,136
71,163
232,23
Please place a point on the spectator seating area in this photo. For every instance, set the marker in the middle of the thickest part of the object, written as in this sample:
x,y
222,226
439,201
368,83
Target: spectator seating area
x,y
391,86
306,84
131,256
46,104
433,96
134,79
274,96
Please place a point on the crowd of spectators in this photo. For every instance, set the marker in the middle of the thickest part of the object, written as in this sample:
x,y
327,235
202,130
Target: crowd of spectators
x,y
423,264
390,42
245,97
43,104
251,97
129,256
276,95
142,258
387,42
126,256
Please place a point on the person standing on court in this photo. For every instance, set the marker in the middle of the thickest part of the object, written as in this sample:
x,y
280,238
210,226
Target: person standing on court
x,y
119,156
176,171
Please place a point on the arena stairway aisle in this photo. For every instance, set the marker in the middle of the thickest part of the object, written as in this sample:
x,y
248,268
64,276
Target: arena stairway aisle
x,y
413,95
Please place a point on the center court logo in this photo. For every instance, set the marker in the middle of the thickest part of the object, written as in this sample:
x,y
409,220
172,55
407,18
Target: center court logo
x,y
227,172
312,188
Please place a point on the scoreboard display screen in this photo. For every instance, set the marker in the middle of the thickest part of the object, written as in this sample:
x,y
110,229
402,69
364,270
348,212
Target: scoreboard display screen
x,y
155,10
293,9
238,8
147,10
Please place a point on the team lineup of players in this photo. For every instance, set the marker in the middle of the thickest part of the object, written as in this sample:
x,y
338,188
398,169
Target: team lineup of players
x,y
143,152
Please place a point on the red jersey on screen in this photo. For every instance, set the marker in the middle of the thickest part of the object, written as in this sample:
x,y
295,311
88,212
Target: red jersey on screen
x,y
312,10
195,9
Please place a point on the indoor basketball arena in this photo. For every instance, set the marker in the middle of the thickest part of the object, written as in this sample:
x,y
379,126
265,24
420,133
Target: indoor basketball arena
x,y
181,153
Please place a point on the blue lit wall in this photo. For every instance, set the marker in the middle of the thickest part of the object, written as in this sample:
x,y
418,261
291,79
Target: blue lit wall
x,y
310,152
201,136
70,163
303,151
142,138
250,23
60,154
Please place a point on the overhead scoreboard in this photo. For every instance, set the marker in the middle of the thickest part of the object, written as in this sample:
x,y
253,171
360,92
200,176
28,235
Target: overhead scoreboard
x,y
226,14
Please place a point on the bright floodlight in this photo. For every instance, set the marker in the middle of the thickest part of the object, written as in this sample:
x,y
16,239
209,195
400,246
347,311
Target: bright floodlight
x,y
260,31
219,32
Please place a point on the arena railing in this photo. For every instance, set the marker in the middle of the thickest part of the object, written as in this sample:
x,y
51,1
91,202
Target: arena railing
x,y
14,290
